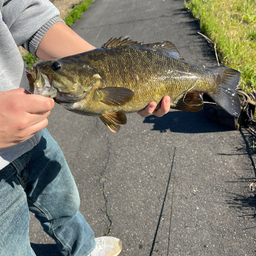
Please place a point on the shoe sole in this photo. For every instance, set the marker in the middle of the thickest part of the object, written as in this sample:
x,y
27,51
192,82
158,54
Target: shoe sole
x,y
117,250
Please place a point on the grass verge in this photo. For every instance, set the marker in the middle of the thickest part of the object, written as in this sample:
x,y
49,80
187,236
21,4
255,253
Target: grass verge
x,y
231,24
75,14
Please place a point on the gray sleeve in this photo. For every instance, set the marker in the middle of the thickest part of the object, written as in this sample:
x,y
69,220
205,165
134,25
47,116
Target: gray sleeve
x,y
29,20
33,42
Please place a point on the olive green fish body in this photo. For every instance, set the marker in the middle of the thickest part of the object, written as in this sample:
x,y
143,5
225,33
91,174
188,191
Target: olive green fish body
x,y
124,76
148,74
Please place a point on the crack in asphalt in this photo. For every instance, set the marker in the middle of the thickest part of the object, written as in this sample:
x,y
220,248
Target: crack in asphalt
x,y
162,208
106,211
248,150
102,181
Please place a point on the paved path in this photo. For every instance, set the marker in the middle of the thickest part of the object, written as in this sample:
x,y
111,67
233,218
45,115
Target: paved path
x,y
176,185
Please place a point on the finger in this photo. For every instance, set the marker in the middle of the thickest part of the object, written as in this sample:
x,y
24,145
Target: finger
x,y
38,126
25,135
36,104
37,118
29,103
165,107
148,110
33,129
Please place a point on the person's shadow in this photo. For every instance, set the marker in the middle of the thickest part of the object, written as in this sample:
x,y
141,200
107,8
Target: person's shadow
x,y
185,122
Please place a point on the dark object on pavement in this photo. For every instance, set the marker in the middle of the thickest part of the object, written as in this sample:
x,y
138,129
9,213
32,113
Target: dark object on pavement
x,y
220,116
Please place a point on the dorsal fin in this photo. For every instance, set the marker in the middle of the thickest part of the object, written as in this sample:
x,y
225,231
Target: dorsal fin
x,y
119,42
165,47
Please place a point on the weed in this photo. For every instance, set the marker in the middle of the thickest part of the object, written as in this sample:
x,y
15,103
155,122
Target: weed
x,y
29,59
77,12
231,24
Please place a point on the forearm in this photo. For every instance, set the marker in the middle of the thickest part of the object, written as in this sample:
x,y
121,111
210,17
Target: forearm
x,y
60,41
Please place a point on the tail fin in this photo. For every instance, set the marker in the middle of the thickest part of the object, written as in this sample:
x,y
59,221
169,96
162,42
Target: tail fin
x,y
227,80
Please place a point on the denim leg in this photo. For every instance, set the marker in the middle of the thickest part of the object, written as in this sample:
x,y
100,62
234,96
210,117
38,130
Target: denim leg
x,y
14,216
53,197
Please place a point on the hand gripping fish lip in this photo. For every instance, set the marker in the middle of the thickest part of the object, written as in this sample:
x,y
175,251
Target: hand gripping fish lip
x,y
39,83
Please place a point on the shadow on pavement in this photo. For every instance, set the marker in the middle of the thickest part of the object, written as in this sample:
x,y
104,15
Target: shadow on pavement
x,y
246,205
184,122
206,49
249,140
45,249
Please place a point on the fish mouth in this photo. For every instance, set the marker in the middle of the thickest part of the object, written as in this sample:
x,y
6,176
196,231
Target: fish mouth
x,y
39,83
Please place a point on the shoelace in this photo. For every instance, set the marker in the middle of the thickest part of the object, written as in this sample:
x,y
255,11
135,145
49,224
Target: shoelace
x,y
100,244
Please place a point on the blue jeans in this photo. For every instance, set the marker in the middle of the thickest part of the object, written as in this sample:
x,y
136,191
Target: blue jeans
x,y
40,181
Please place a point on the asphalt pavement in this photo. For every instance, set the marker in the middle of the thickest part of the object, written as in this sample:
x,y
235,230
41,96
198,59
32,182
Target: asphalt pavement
x,y
176,185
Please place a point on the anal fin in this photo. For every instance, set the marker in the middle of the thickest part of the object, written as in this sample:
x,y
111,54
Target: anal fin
x,y
114,120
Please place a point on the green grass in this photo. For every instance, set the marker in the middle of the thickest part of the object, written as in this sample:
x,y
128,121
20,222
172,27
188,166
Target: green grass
x,y
75,14
29,59
231,24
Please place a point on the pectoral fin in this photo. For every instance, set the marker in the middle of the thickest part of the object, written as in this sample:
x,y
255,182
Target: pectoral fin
x,y
114,96
192,102
114,120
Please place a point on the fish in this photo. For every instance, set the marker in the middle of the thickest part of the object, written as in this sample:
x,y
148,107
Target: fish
x,y
124,76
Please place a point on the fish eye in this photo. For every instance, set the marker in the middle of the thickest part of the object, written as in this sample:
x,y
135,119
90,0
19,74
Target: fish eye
x,y
56,66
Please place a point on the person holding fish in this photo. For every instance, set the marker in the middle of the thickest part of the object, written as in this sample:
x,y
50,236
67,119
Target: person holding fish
x,y
34,175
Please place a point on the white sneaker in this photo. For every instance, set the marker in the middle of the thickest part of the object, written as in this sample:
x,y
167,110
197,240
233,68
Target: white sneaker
x,y
107,246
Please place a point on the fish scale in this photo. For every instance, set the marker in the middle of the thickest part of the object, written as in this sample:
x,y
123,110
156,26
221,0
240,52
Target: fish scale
x,y
125,76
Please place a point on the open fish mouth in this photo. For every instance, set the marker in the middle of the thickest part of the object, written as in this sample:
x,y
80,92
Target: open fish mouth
x,y
39,83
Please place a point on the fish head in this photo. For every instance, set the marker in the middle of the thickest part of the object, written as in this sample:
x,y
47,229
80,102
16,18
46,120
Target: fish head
x,y
65,79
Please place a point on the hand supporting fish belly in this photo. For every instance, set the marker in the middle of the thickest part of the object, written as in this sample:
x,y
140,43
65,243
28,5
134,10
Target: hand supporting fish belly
x,y
158,110
125,76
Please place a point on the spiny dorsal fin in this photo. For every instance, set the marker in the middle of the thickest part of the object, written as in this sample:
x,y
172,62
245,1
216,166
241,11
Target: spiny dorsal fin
x,y
114,120
119,42
165,47
192,102
114,96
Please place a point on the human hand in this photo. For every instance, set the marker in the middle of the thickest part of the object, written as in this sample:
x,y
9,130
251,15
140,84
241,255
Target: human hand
x,y
21,116
150,109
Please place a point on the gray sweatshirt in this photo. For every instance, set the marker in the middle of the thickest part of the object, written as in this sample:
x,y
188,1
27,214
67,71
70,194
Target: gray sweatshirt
x,y
22,22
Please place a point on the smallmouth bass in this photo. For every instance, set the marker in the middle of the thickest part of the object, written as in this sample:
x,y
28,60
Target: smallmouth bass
x,y
125,76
